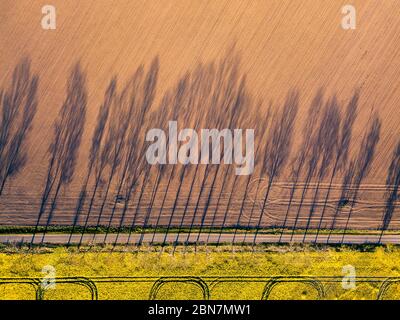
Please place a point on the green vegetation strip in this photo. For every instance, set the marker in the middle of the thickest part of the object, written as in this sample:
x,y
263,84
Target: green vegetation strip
x,y
104,229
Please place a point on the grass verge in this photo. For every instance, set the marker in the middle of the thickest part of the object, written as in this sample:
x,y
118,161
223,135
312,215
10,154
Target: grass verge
x,y
103,229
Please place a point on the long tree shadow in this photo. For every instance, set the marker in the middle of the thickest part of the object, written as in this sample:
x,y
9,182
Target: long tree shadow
x,y
328,138
68,129
342,150
277,150
362,166
215,96
97,158
135,165
298,165
392,189
18,107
